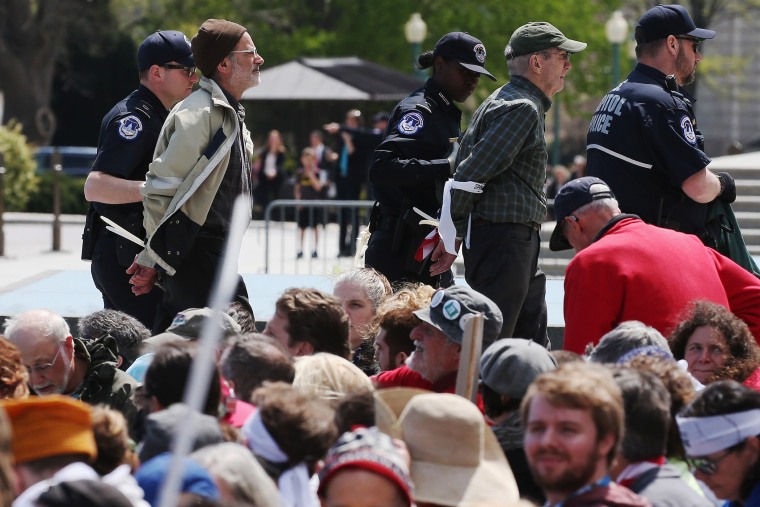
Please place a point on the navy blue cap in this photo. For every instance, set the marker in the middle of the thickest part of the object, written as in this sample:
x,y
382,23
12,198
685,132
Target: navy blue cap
x,y
451,308
465,49
663,20
571,196
163,47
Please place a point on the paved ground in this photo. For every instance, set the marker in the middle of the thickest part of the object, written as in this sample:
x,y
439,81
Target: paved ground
x,y
34,276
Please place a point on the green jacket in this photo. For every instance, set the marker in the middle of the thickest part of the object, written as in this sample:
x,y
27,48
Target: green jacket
x,y
104,383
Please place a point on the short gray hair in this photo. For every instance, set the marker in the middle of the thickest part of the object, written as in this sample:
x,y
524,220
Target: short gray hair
x,y
608,204
518,66
40,321
626,337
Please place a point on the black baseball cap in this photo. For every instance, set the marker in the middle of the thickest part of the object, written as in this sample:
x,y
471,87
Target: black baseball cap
x,y
571,196
539,35
465,49
663,20
162,47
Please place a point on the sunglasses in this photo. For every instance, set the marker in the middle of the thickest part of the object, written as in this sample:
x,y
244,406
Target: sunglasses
x,y
697,42
188,70
707,466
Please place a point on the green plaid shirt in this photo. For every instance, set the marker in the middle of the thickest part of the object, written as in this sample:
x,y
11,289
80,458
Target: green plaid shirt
x,y
504,148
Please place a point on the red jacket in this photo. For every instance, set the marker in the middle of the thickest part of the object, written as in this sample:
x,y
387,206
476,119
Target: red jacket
x,y
404,376
637,271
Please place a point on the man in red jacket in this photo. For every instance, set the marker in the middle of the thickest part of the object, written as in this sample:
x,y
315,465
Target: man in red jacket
x,y
438,337
625,269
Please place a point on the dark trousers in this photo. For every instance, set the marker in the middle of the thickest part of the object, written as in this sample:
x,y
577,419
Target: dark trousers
x,y
348,218
111,279
379,255
191,285
502,263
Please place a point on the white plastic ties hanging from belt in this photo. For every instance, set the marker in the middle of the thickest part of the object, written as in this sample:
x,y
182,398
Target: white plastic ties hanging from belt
x,y
446,229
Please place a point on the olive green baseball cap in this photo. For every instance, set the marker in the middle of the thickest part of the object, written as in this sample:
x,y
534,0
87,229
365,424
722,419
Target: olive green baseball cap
x,y
539,35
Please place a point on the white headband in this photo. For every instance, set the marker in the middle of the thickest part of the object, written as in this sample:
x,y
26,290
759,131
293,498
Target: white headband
x,y
705,435
293,482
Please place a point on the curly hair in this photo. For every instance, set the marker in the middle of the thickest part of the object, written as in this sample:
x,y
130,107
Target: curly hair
x,y
13,373
396,316
743,351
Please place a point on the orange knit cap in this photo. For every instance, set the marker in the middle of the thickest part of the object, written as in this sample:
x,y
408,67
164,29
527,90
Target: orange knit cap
x,y
49,426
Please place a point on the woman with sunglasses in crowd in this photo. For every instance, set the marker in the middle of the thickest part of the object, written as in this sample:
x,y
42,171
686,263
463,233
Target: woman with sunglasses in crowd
x,y
720,430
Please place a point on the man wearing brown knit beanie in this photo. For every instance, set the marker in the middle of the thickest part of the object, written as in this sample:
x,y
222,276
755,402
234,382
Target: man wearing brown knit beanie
x,y
201,164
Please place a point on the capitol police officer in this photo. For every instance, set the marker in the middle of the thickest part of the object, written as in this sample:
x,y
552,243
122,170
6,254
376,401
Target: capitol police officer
x,y
643,138
410,166
128,136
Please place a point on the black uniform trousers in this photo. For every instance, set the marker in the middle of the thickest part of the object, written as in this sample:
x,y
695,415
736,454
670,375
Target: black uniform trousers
x,y
502,264
191,284
111,279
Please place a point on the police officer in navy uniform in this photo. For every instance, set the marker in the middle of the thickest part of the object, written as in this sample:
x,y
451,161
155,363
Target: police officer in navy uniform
x,y
128,136
643,138
411,165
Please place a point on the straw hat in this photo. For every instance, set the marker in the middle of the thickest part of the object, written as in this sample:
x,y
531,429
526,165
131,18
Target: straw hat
x,y
456,459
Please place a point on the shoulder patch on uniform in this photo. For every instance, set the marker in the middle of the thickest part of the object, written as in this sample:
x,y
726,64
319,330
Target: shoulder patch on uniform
x,y
424,107
688,130
130,127
410,123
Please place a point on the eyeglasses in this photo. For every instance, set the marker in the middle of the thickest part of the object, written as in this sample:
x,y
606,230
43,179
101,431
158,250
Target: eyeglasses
x,y
189,70
707,466
697,42
41,369
564,55
253,51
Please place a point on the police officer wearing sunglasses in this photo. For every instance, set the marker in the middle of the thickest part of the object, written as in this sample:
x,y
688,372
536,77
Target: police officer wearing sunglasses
x,y
128,136
643,140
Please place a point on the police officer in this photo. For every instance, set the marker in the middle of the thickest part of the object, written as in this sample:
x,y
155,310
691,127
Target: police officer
x,y
128,136
410,166
643,138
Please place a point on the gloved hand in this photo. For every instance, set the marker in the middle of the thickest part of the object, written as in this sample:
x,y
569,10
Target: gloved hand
x,y
727,187
452,158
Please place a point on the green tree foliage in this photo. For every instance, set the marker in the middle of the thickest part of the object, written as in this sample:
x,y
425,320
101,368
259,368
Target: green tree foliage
x,y
373,29
20,179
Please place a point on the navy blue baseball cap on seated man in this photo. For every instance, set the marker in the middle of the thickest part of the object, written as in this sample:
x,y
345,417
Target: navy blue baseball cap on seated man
x,y
571,196
162,47
465,49
451,308
663,20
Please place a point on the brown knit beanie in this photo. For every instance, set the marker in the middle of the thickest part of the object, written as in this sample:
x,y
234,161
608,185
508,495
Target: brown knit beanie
x,y
214,40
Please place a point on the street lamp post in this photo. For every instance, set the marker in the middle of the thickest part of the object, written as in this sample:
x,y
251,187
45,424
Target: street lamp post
x,y
616,29
415,31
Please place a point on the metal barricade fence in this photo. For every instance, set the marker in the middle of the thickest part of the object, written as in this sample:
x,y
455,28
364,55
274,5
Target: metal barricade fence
x,y
317,212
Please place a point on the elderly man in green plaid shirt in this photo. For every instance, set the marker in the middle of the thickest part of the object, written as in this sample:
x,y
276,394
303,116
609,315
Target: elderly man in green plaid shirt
x,y
496,199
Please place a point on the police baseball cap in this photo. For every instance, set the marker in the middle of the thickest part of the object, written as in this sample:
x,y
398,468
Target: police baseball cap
x,y
465,49
163,47
571,196
451,308
539,35
663,20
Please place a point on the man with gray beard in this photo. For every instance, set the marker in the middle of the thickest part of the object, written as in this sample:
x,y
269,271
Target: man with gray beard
x,y
61,364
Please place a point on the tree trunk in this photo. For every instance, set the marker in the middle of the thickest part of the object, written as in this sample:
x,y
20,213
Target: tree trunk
x,y
31,35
